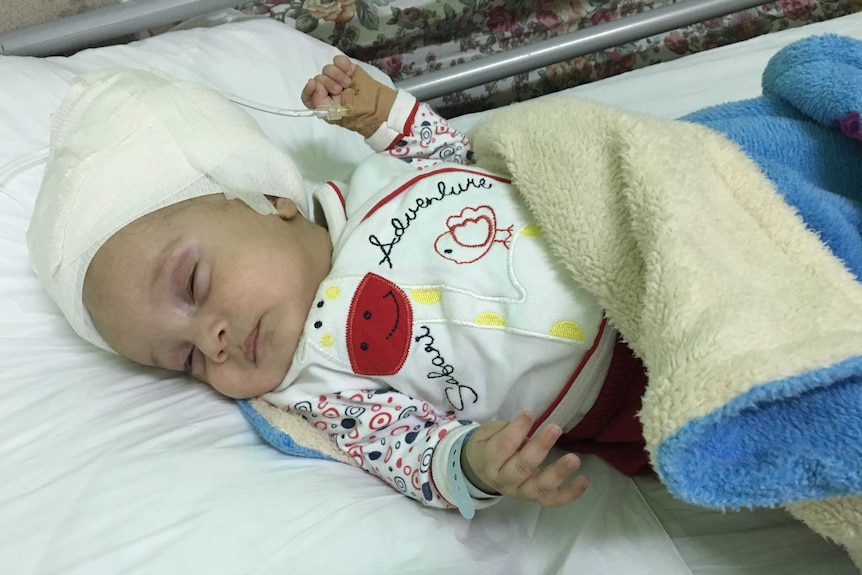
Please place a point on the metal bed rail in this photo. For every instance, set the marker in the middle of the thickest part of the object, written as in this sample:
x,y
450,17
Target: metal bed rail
x,y
103,25
578,43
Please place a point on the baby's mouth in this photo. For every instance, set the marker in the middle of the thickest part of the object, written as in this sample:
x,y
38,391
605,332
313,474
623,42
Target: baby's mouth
x,y
249,345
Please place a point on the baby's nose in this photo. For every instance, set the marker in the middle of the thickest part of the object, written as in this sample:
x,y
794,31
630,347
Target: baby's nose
x,y
212,339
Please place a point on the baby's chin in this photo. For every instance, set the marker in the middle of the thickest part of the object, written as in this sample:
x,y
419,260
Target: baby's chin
x,y
270,387
268,382
246,389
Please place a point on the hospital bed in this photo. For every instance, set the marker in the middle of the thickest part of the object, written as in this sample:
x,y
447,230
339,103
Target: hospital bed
x,y
108,467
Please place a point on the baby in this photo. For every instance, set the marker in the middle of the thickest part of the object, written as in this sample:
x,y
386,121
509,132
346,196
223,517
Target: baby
x,y
419,320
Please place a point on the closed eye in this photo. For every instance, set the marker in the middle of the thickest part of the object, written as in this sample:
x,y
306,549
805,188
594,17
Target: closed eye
x,y
188,366
190,287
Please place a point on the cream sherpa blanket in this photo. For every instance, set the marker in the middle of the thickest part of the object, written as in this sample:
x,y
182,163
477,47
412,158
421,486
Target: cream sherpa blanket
x,y
734,306
751,330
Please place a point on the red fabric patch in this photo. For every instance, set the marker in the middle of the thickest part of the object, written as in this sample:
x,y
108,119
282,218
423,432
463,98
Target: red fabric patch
x,y
379,327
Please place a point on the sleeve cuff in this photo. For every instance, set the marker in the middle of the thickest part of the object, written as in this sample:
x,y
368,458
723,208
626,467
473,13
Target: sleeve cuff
x,y
449,478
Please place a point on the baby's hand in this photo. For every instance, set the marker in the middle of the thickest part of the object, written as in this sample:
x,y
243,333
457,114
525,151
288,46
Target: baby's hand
x,y
499,457
326,88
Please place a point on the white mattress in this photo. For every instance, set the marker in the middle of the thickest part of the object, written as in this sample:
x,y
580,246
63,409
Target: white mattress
x,y
106,467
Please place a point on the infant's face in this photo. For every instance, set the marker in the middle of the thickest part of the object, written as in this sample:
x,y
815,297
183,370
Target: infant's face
x,y
210,287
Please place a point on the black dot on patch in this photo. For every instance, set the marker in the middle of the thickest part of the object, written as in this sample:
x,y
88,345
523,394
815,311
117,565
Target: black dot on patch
x,y
367,314
320,303
363,346
447,251
317,324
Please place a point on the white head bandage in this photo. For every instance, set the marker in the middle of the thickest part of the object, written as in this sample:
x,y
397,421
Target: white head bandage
x,y
125,143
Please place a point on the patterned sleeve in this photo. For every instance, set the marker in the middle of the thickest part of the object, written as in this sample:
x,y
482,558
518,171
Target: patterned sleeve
x,y
402,440
413,132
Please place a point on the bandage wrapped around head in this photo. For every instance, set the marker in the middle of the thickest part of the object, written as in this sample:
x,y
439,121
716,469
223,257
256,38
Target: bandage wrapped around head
x,y
125,143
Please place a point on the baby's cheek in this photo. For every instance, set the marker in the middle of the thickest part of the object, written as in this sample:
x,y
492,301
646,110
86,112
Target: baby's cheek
x,y
226,381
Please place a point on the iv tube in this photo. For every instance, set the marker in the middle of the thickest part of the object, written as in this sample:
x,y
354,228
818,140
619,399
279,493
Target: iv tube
x,y
331,112
20,164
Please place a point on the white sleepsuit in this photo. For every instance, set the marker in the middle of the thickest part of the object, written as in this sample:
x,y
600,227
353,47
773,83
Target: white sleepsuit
x,y
443,307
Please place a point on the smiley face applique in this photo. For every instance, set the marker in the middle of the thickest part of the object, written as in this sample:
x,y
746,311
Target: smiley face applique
x,y
379,327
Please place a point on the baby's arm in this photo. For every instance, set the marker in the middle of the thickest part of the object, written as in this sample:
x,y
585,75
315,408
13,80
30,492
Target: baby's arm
x,y
498,457
405,441
412,446
391,121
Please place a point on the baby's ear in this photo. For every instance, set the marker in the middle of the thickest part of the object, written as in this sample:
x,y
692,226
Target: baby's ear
x,y
286,208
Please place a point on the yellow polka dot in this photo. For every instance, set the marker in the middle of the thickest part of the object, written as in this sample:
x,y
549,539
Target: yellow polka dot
x,y
532,230
332,292
327,340
426,296
490,319
568,330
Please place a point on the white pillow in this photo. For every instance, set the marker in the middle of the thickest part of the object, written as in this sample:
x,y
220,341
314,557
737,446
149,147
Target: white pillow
x,y
260,60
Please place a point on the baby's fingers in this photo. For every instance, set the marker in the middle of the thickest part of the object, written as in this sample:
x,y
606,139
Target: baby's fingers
x,y
566,494
523,464
546,487
307,94
340,71
333,86
344,64
315,94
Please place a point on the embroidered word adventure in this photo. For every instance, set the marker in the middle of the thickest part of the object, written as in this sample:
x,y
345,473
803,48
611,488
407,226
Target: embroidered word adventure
x,y
400,225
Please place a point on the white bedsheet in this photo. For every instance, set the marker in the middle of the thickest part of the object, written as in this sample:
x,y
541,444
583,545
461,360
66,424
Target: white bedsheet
x,y
106,467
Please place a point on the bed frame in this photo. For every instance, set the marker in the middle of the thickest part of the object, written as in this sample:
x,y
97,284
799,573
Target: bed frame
x,y
106,24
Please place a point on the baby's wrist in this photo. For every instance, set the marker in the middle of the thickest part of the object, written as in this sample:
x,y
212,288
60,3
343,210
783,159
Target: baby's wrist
x,y
472,477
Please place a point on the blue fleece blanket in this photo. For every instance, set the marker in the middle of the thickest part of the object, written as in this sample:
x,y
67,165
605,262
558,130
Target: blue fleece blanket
x,y
805,134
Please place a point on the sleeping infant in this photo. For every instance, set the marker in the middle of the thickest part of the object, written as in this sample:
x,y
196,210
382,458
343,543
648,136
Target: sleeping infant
x,y
415,316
